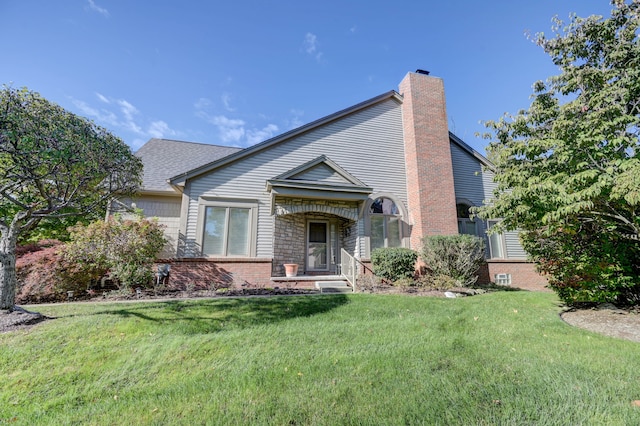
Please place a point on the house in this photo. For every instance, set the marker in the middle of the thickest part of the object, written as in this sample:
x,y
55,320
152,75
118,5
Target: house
x,y
382,173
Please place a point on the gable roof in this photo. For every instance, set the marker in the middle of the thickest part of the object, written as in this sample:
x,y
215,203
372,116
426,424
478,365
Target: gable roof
x,y
318,178
333,173
163,158
320,174
179,179
485,162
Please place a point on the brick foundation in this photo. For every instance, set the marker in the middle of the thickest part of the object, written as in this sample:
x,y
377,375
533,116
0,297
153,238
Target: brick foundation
x,y
523,274
207,274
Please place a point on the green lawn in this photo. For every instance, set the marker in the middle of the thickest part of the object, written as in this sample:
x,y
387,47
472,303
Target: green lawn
x,y
500,358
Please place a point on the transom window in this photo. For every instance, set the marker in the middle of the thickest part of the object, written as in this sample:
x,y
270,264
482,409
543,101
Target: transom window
x,y
385,220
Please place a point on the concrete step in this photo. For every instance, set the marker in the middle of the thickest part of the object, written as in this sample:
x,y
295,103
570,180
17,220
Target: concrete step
x,y
333,287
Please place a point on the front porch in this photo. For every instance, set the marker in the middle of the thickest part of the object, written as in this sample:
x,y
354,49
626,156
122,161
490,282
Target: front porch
x,y
311,234
324,283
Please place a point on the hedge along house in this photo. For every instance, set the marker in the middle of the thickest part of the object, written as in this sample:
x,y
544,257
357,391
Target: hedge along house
x,y
382,173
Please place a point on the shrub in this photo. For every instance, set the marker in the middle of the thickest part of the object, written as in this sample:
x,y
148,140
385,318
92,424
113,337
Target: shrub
x,y
455,256
367,283
437,282
36,271
44,275
404,283
394,263
584,265
124,248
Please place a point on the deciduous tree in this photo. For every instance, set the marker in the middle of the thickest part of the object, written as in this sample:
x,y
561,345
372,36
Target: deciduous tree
x,y
570,163
53,164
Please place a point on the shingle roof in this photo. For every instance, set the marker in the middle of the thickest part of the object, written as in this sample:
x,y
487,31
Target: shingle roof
x,y
164,158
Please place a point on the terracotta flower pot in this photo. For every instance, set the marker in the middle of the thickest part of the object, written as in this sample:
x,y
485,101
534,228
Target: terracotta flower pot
x,y
290,269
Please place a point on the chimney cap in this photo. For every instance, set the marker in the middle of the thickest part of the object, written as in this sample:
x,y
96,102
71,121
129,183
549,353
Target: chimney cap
x,y
419,71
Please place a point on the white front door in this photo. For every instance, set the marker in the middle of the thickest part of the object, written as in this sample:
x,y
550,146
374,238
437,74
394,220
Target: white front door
x,y
317,246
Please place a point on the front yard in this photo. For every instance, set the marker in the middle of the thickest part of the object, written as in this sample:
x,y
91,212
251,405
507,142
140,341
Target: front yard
x,y
497,358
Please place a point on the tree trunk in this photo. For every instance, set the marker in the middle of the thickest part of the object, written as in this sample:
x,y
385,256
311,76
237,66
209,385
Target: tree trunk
x,y
8,280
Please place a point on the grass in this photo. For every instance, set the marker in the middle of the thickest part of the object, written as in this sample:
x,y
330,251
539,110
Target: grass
x,y
499,358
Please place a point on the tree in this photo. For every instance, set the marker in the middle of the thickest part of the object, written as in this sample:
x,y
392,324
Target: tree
x,y
570,164
53,165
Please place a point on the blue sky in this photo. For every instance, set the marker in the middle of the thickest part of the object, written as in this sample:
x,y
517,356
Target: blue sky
x,y
238,72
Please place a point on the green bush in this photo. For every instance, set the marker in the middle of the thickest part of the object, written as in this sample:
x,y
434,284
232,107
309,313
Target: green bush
x,y
437,282
584,265
455,256
394,263
126,248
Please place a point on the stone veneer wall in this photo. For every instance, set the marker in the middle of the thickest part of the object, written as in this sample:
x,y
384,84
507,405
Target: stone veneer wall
x,y
288,242
292,214
346,209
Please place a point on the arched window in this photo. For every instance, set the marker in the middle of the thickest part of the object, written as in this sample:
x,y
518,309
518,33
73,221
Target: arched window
x,y
385,220
465,224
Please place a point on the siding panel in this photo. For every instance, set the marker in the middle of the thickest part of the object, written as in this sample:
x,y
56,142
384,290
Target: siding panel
x,y
167,212
367,144
474,184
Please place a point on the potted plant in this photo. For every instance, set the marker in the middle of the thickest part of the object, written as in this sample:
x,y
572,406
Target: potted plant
x,y
290,269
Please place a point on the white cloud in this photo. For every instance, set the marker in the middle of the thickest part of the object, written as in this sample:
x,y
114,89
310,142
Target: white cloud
x,y
160,129
202,103
255,136
310,43
230,130
311,46
102,98
295,121
233,131
127,109
102,116
120,116
101,10
226,101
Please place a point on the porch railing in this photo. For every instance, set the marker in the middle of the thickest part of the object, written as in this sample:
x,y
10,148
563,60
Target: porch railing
x,y
348,268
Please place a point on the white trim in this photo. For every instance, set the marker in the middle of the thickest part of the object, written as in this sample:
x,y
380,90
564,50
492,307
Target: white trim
x,y
327,244
252,205
403,215
503,242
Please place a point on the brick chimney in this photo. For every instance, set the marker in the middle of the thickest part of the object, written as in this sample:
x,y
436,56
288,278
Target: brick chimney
x,y
431,194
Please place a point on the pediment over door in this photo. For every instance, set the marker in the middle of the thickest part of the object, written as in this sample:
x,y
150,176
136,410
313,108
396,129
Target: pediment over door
x,y
321,179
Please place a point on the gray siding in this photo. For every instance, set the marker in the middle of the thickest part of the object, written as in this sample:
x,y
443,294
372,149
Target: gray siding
x,y
513,246
320,173
368,144
470,181
468,178
476,185
167,211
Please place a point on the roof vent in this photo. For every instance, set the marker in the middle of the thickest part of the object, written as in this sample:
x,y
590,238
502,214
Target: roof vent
x,y
422,72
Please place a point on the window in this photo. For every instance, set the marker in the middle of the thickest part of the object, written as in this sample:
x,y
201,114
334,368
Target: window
x,y
465,224
385,221
227,230
496,242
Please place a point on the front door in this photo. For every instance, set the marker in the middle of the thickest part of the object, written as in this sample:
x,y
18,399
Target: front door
x,y
317,246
